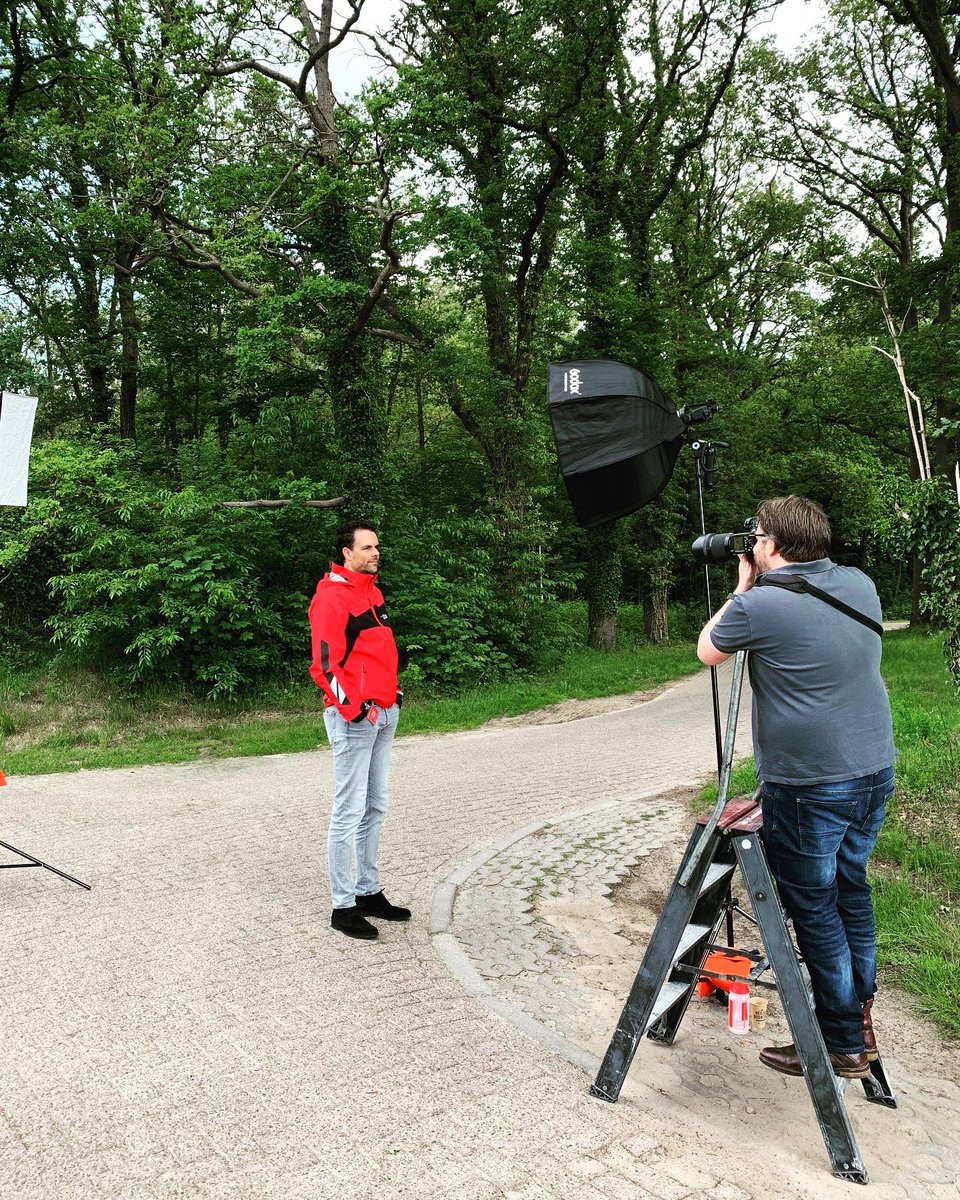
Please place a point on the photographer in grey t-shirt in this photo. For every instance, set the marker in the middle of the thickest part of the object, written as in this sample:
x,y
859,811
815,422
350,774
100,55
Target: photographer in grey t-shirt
x,y
823,743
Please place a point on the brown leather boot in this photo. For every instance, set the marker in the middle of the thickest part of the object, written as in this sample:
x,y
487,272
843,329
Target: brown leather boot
x,y
786,1060
869,1037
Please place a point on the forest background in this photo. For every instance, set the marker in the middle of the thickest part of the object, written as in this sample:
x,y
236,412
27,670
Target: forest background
x,y
226,284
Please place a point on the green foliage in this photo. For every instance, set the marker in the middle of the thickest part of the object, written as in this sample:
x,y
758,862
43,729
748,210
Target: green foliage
x,y
155,584
443,601
449,616
262,302
924,515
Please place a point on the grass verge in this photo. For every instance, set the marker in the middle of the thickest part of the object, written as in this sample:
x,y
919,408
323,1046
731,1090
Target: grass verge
x,y
70,721
915,869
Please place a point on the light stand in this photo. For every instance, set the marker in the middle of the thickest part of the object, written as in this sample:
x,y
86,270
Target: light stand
x,y
705,458
16,430
36,862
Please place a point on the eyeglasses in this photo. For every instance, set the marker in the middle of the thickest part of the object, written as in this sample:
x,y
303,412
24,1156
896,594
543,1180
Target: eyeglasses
x,y
768,537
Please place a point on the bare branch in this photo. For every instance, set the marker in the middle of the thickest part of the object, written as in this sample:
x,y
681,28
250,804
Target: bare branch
x,y
391,335
335,502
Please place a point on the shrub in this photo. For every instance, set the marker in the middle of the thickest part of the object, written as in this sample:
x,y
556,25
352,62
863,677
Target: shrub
x,y
150,583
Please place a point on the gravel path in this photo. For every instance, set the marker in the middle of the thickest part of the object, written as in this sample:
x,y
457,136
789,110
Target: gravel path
x,y
192,1028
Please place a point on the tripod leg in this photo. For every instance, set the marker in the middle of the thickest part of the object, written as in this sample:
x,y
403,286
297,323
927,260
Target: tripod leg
x,y
726,766
36,862
651,983
821,1082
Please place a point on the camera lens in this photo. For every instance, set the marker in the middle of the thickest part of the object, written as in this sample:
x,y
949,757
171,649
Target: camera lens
x,y
713,547
721,547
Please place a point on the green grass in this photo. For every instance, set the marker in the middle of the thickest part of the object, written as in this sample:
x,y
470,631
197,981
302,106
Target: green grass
x,y
916,866
69,720
917,861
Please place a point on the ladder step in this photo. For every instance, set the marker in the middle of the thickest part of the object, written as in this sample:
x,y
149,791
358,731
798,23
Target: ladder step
x,y
715,873
669,994
689,938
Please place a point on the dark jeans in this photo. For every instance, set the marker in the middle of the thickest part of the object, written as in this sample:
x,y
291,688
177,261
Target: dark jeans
x,y
818,838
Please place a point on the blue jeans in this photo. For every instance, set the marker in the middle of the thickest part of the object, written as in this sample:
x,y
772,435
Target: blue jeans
x,y
361,761
818,838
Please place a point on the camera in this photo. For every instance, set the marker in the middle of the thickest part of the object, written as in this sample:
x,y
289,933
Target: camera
x,y
718,547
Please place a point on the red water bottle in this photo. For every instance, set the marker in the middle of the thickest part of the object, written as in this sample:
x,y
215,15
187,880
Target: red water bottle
x,y
738,1008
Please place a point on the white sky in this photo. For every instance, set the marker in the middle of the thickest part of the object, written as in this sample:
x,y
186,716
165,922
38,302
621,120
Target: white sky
x,y
793,20
351,64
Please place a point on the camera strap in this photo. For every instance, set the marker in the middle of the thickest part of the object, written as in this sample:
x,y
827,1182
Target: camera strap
x,y
798,583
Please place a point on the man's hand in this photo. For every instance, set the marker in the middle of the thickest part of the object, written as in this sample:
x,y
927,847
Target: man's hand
x,y
747,570
363,714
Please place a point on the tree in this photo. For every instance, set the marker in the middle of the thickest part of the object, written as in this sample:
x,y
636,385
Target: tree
x,y
656,98
100,122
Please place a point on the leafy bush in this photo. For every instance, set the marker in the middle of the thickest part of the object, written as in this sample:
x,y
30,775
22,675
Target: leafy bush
x,y
442,602
923,517
151,583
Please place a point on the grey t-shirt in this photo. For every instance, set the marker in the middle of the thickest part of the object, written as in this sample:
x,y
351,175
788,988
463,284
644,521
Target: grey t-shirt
x,y
820,709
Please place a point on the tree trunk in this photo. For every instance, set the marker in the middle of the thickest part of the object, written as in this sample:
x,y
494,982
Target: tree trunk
x,y
656,624
604,581
917,617
602,634
100,386
655,595
599,338
130,348
360,426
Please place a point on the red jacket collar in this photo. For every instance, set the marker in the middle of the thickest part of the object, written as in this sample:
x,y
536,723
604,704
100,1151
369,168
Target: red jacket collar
x,y
357,579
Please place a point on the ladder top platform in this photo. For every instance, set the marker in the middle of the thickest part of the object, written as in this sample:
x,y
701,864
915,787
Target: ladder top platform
x,y
740,815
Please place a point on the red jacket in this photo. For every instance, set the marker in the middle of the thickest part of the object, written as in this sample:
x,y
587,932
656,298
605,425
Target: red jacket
x,y
354,654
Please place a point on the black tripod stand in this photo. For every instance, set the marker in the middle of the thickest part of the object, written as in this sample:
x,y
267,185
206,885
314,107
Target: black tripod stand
x,y
16,431
36,862
705,459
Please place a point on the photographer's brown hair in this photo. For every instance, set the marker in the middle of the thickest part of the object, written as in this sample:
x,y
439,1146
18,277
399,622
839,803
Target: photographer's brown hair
x,y
798,526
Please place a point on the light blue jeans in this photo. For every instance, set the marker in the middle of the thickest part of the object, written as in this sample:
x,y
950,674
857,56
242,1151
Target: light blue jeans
x,y
361,762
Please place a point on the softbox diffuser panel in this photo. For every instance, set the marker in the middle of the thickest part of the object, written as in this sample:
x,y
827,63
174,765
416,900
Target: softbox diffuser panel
x,y
16,432
617,435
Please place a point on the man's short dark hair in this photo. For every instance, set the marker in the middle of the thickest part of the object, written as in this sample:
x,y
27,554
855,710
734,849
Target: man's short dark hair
x,y
346,532
798,526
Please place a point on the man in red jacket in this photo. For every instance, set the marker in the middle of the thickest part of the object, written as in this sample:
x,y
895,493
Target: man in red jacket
x,y
355,665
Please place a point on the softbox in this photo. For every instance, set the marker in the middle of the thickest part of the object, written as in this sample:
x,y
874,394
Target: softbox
x,y
617,435
16,431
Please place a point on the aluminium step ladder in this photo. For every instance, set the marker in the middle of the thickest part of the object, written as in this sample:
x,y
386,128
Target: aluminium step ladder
x,y
725,841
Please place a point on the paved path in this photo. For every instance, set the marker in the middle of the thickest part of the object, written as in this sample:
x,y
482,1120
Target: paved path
x,y
192,1028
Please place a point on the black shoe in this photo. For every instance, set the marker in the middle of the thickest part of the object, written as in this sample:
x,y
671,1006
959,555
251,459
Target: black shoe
x,y
378,905
353,924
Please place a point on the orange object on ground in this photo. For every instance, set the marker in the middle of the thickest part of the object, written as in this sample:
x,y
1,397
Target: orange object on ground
x,y
3,779
724,962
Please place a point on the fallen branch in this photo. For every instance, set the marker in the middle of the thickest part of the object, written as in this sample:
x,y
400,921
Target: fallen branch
x,y
336,502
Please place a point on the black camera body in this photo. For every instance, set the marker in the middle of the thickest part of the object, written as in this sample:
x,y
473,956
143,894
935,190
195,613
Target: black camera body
x,y
718,547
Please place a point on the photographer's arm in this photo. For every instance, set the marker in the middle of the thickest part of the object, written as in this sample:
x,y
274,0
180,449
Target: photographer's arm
x,y
706,650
